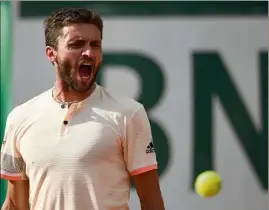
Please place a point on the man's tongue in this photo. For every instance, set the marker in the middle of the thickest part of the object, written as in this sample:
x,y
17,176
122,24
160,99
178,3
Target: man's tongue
x,y
84,71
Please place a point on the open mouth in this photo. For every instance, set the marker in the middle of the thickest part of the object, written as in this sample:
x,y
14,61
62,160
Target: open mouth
x,y
84,70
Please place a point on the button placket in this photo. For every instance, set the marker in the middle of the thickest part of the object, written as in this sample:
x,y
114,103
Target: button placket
x,y
70,113
66,120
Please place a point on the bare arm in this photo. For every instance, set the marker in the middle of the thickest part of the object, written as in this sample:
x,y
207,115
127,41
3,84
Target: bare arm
x,y
148,190
17,197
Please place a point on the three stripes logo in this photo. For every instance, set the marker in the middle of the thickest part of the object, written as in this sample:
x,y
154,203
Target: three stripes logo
x,y
150,148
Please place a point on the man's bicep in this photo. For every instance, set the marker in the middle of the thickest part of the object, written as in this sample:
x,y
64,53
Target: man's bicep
x,y
12,164
17,195
139,152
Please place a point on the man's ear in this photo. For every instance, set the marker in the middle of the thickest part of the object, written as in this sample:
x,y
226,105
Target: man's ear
x,y
51,54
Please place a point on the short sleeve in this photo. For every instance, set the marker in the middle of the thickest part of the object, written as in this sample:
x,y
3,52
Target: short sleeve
x,y
139,152
12,164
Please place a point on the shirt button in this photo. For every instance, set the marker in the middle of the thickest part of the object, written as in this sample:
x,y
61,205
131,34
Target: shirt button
x,y
65,122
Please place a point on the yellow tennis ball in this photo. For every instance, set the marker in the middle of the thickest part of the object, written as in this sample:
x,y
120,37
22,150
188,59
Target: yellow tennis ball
x,y
208,184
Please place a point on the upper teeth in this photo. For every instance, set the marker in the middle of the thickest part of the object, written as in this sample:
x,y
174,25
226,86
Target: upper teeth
x,y
86,64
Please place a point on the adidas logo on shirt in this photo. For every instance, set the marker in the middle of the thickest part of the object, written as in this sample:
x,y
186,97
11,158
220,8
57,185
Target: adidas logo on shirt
x,y
150,148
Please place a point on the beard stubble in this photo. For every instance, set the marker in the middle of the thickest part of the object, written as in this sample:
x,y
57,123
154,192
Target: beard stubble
x,y
67,72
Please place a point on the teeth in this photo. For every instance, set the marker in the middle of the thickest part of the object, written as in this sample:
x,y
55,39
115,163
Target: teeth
x,y
86,64
85,77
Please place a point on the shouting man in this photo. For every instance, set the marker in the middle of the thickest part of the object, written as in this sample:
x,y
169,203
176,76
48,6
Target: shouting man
x,y
77,146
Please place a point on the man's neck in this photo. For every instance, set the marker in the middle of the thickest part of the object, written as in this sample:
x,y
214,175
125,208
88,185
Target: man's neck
x,y
67,95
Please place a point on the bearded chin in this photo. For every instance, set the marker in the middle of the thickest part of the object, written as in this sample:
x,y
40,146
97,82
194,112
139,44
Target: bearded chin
x,y
69,84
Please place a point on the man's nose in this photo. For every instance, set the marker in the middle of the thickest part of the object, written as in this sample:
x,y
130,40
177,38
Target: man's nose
x,y
87,52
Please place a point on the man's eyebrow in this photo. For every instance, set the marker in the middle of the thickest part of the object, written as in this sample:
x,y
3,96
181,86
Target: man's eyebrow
x,y
96,41
75,38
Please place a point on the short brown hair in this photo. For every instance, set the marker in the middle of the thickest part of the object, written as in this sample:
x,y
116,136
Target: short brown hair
x,y
54,23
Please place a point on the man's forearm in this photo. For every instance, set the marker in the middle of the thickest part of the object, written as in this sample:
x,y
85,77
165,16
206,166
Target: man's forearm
x,y
8,205
152,204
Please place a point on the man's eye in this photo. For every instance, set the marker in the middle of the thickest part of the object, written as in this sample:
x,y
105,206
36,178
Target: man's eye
x,y
96,45
75,45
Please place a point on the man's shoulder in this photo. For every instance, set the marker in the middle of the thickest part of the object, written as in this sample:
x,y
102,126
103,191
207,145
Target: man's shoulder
x,y
119,102
27,108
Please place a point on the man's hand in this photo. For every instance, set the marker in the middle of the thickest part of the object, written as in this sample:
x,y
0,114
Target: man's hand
x,y
148,190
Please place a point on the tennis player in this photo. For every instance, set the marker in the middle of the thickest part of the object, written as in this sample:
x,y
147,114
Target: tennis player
x,y
77,146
